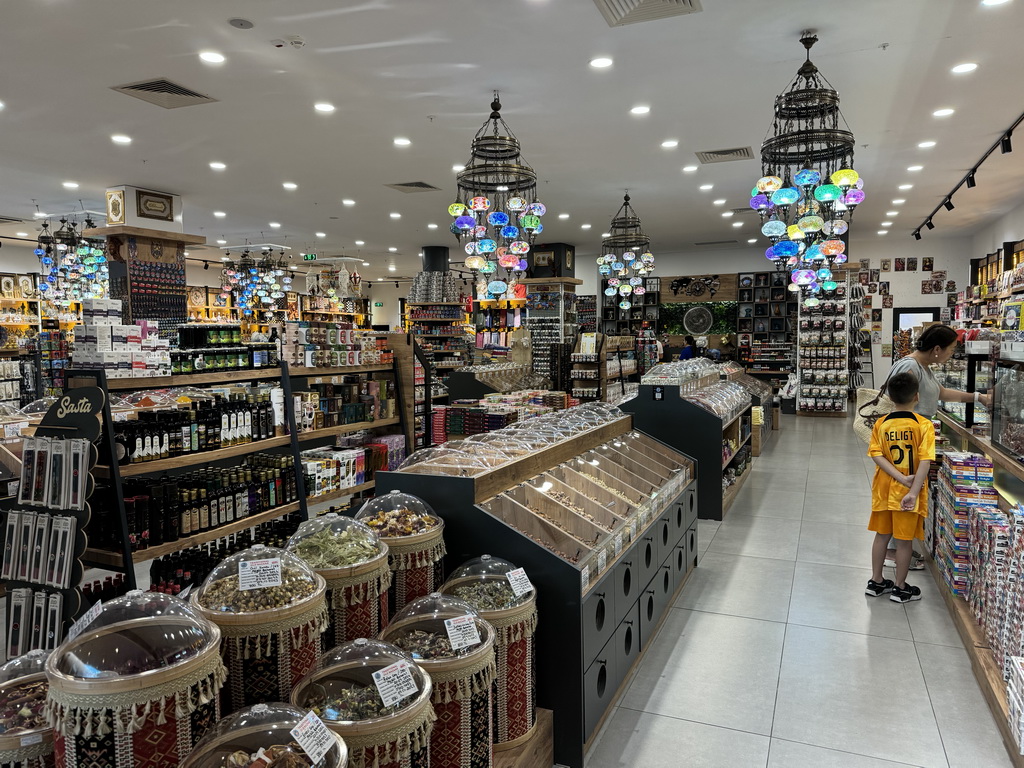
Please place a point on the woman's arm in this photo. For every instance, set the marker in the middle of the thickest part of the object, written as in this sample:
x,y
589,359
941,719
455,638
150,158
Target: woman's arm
x,y
956,396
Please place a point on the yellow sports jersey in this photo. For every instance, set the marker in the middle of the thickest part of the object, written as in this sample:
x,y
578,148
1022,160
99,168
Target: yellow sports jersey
x,y
905,439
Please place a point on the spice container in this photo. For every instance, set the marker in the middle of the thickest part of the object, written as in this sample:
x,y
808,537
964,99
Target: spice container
x,y
270,606
258,733
415,539
505,598
354,563
455,646
26,739
138,687
345,695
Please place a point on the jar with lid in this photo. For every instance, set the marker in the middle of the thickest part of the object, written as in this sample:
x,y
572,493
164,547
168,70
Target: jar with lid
x,y
26,739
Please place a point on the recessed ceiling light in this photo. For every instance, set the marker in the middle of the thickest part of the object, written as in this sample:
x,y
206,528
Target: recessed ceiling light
x,y
321,234
21,234
222,242
892,213
961,69
379,279
706,187
393,250
726,214
752,240
640,109
994,2
2,105
219,214
70,185
120,138
39,215
401,141
391,267
584,226
737,223
395,215
563,215
913,168
906,186
212,57
926,144
944,112
224,258
601,62
886,223
720,201
289,185
899,201
274,224
689,168
323,106
366,263
458,168
670,144
360,242
348,201
431,226
883,231
218,166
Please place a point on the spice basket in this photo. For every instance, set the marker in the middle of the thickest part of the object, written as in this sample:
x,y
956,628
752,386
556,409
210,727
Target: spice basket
x,y
261,726
272,635
357,591
138,688
24,683
414,558
463,684
515,695
395,738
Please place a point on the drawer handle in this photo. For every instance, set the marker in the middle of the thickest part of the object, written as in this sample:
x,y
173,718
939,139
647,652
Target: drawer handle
x,y
628,562
648,538
600,594
630,623
666,567
649,592
602,662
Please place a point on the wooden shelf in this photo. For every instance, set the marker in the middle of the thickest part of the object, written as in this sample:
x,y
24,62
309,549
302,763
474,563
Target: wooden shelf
x,y
341,492
433,303
193,459
343,429
153,234
730,493
185,379
107,557
318,372
415,320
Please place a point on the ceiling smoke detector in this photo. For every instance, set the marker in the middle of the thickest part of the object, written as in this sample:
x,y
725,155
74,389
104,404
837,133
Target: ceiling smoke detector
x,y
295,41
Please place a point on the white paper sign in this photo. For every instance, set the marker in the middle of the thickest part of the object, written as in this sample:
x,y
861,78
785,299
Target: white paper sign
x,y
602,560
462,632
14,430
395,682
519,582
32,738
632,530
256,574
85,621
313,736
618,544
585,577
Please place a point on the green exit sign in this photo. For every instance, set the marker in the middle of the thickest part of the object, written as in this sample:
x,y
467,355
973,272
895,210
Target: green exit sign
x,y
309,257
378,303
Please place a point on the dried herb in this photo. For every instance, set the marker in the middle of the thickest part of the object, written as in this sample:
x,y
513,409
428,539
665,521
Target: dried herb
x,y
277,756
565,501
22,708
356,704
555,522
487,595
400,522
608,488
425,645
224,594
328,549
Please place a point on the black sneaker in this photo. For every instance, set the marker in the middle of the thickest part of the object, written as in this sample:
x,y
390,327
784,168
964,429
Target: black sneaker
x,y
906,594
876,588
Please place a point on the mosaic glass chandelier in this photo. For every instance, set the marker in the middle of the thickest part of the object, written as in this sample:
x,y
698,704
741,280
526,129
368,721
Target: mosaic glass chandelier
x,y
72,267
256,283
808,189
625,257
496,216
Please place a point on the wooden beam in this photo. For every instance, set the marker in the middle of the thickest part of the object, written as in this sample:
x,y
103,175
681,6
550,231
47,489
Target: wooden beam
x,y
121,230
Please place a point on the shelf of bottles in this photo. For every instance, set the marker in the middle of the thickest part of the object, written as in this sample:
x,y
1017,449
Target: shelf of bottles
x,y
823,348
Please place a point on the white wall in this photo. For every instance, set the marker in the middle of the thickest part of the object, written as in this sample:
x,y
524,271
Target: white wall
x,y
1008,227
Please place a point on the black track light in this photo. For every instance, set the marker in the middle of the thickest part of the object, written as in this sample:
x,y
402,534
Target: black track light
x,y
971,181
917,234
206,265
1005,144
929,224
949,204
396,284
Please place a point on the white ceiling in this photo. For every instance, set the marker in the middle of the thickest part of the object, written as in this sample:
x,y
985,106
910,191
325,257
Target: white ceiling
x,y
425,69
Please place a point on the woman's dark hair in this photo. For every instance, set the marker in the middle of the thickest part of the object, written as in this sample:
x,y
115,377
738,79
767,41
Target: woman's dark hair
x,y
935,336
902,387
690,340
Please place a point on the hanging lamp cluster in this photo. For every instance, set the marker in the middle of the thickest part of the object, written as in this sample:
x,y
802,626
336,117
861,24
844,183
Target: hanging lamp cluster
x,y
256,283
625,256
72,267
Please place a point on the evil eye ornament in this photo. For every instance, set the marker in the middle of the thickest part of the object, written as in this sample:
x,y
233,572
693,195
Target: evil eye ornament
x,y
480,204
497,219
610,291
624,304
456,209
517,204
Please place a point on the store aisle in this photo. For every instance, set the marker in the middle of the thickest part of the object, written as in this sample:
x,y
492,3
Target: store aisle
x,y
774,656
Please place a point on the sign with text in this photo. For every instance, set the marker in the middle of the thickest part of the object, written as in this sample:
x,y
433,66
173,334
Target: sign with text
x,y
257,574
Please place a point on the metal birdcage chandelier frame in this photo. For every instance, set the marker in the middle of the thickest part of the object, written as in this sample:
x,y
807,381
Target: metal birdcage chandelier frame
x,y
626,250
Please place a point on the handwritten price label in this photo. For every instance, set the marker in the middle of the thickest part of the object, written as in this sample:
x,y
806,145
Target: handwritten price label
x,y
314,738
395,682
257,574
618,544
519,582
462,632
90,616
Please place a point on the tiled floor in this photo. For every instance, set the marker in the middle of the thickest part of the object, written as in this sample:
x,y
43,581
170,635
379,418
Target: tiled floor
x,y
774,657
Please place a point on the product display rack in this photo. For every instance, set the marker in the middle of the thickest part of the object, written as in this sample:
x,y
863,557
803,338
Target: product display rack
x,y
600,366
765,315
968,371
594,622
440,321
496,320
552,320
823,353
620,322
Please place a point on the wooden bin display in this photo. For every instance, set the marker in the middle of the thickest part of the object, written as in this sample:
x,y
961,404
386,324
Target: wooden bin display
x,y
30,748
266,650
463,686
397,740
515,698
162,676
414,558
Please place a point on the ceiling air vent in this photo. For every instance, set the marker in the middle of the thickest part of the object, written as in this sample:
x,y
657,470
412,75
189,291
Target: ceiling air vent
x,y
725,155
11,220
715,243
620,12
164,93
414,186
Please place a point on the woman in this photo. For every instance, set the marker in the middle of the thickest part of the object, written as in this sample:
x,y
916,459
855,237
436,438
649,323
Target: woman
x,y
689,350
934,347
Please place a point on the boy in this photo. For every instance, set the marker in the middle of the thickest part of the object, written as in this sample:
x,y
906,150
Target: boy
x,y
903,448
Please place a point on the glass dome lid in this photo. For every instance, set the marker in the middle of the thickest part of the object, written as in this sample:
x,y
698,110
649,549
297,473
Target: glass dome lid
x,y
344,690
39,407
445,461
483,582
422,629
248,582
32,663
332,541
398,514
138,634
258,734
23,689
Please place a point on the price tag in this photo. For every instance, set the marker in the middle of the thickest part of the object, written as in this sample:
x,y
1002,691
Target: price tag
x,y
632,530
313,736
120,416
462,632
395,682
602,560
618,544
14,430
256,574
32,738
519,582
85,621
585,577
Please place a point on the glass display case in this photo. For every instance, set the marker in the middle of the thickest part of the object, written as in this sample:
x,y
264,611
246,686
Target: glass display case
x,y
1008,408
967,373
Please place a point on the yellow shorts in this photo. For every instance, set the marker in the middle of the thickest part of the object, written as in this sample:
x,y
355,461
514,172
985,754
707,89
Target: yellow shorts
x,y
901,525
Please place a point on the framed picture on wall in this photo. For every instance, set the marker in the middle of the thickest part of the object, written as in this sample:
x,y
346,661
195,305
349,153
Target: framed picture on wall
x,y
876,315
940,275
874,275
900,265
872,287
865,263
950,286
543,258
863,278
951,300
887,302
911,264
926,286
886,265
927,264
883,287
866,302
936,286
